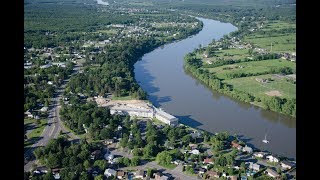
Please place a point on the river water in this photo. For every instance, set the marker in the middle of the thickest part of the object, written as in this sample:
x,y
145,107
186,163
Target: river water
x,y
161,74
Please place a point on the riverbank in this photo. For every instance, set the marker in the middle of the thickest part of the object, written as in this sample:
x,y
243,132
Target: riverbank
x,y
138,109
197,106
227,62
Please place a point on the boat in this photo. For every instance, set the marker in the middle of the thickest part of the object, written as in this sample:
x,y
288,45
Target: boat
x,y
265,140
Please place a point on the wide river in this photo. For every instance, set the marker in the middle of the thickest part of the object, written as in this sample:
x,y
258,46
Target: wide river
x,y
161,74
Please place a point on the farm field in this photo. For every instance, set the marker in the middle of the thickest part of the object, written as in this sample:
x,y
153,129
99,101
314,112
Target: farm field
x,y
282,35
227,54
278,86
263,66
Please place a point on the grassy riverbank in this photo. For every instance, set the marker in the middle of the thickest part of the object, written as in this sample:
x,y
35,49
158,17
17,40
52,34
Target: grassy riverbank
x,y
245,69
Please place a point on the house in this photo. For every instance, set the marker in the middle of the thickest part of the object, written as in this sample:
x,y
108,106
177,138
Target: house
x,y
247,149
213,174
29,114
121,174
195,134
272,159
195,151
109,157
139,174
160,176
254,166
235,144
110,172
50,82
193,146
259,154
44,109
177,162
202,170
119,128
208,161
93,171
271,173
45,66
95,154
41,170
232,178
56,173
287,165
109,141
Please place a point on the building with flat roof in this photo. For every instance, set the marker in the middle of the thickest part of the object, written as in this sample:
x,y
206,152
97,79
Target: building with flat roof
x,y
145,112
165,117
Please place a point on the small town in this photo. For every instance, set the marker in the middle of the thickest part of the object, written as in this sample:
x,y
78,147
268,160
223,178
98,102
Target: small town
x,y
88,116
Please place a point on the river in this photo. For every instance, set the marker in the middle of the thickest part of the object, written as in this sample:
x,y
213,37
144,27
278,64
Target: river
x,y
161,74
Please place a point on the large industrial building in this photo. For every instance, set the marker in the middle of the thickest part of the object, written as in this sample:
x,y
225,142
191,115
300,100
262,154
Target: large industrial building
x,y
145,112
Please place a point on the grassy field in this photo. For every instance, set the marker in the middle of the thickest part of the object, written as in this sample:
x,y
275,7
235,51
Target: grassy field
x,y
258,89
169,166
37,131
227,54
281,41
251,67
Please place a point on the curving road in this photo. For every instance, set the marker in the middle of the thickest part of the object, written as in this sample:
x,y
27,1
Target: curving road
x,y
54,125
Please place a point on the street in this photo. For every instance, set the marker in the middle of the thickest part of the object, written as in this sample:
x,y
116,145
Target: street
x,y
54,126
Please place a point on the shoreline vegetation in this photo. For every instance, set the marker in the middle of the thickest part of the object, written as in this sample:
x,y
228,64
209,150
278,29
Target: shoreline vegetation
x,y
112,66
268,77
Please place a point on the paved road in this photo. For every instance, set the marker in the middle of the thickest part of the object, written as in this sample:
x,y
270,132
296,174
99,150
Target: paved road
x,y
54,125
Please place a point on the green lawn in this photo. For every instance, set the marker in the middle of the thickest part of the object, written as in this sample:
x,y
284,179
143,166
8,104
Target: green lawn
x,y
227,54
169,166
251,67
281,42
258,89
278,25
35,133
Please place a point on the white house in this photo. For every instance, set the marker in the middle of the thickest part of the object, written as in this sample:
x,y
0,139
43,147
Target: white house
x,y
287,164
109,157
44,109
45,66
139,174
29,114
259,154
110,172
254,166
272,159
59,64
271,173
195,151
247,149
119,128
